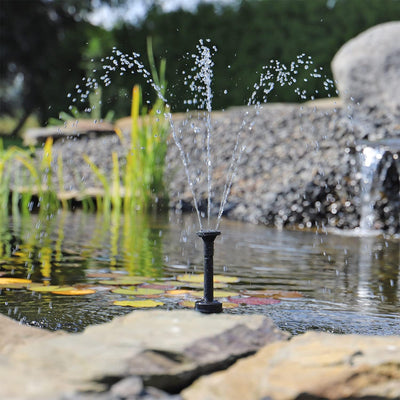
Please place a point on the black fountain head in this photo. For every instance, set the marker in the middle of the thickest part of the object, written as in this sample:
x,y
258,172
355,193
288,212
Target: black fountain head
x,y
208,305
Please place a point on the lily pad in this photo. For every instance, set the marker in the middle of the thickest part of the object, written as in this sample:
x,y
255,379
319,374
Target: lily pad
x,y
13,286
253,301
180,292
276,294
200,285
138,291
218,294
126,281
111,275
74,292
198,278
38,287
7,281
138,303
159,286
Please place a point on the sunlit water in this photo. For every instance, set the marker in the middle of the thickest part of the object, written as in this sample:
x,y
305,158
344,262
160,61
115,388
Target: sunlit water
x,y
347,284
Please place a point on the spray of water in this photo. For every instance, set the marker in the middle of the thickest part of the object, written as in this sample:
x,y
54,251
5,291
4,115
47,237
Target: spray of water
x,y
199,80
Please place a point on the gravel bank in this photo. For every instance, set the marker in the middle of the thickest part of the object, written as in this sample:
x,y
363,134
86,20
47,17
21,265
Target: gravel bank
x,y
298,166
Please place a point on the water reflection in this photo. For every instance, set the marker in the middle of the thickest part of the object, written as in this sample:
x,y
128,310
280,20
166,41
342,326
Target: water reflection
x,y
349,284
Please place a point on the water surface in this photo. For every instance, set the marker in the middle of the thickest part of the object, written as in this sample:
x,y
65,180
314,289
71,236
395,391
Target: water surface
x,y
347,284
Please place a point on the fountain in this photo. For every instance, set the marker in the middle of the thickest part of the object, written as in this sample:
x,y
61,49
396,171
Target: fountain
x,y
199,81
264,260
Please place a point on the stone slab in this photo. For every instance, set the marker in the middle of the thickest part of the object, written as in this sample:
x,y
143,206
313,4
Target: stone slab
x,y
310,366
61,366
73,128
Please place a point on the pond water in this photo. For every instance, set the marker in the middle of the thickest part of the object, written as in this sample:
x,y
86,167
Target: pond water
x,y
314,281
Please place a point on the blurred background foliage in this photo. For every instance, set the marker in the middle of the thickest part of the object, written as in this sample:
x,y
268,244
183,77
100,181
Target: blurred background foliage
x,y
47,47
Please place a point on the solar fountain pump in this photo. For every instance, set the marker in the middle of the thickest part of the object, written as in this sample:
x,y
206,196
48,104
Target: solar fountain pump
x,y
208,305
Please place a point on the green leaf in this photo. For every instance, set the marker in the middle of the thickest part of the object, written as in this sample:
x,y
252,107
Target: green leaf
x,y
49,288
138,291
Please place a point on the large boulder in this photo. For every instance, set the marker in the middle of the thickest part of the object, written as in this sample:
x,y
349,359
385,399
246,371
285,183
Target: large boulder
x,y
367,70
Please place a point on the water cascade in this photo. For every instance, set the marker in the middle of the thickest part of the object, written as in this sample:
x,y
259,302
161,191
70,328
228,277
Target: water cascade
x,y
379,162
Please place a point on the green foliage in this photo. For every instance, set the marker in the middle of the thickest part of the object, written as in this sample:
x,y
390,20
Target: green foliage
x,y
247,33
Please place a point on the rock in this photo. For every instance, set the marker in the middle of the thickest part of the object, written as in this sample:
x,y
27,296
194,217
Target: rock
x,y
367,70
73,128
310,366
74,366
13,334
127,387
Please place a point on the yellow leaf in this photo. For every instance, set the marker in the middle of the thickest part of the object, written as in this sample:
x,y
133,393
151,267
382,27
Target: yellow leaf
x,y
218,294
178,292
6,281
74,292
139,303
138,291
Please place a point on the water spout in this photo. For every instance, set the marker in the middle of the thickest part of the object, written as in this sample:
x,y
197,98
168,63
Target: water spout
x,y
208,305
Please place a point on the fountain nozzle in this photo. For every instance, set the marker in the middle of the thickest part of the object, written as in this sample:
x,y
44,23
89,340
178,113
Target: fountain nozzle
x,y
208,305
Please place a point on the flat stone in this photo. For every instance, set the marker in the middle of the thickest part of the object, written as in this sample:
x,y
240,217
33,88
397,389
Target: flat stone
x,y
310,366
73,128
62,366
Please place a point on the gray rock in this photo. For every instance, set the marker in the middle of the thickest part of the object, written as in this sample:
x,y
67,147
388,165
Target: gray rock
x,y
367,70
128,387
88,364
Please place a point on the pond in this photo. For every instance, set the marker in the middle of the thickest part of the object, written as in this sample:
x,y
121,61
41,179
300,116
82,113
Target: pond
x,y
303,280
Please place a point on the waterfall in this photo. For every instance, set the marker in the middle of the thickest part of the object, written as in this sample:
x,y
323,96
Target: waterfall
x,y
375,160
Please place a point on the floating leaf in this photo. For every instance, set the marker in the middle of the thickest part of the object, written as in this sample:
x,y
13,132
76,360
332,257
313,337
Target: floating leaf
x,y
253,301
198,278
187,303
157,286
38,287
138,291
276,294
13,286
126,281
179,292
200,285
218,294
7,281
230,305
111,275
138,303
74,292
